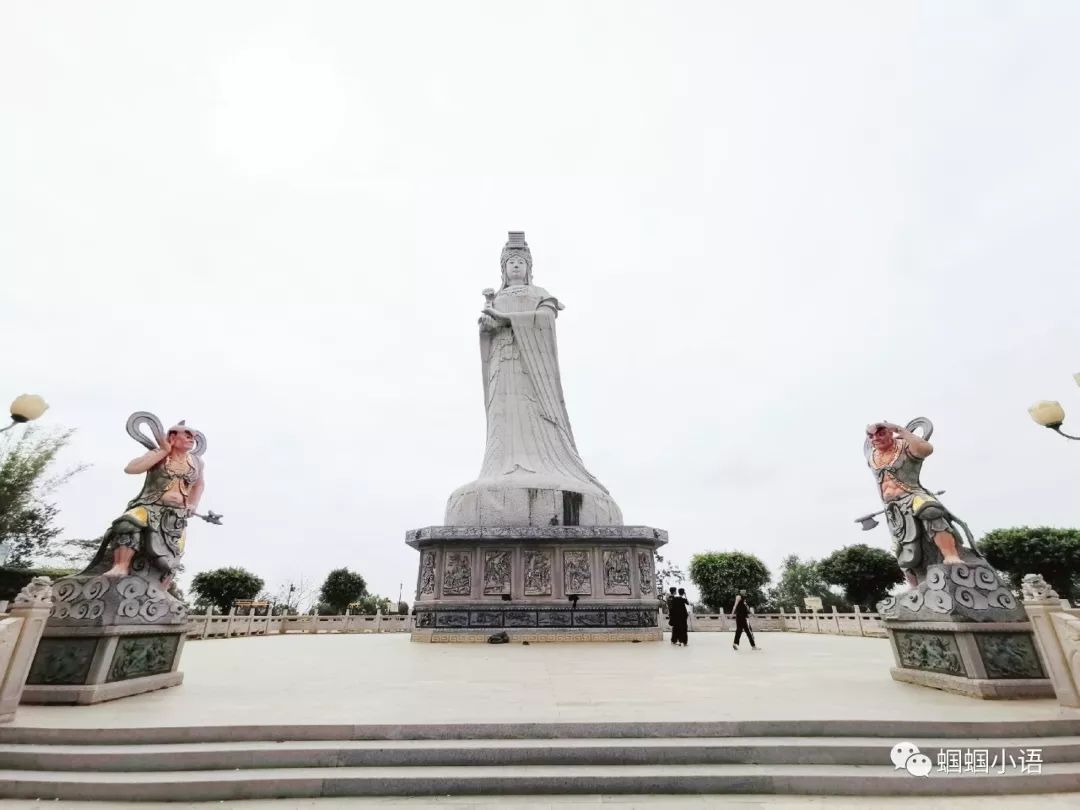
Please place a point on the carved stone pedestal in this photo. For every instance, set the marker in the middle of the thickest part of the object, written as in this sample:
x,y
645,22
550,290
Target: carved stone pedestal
x,y
960,630
984,660
557,583
107,638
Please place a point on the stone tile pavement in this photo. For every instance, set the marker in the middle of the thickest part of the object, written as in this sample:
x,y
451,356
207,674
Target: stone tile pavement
x,y
1052,801
361,679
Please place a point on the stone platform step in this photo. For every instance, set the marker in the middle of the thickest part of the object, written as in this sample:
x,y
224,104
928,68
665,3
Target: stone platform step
x,y
296,783
212,756
893,730
790,757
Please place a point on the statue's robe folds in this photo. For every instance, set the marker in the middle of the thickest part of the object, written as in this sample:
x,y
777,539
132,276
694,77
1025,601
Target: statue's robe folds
x,y
532,474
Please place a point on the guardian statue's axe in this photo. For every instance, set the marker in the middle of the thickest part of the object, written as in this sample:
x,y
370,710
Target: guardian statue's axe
x,y
868,521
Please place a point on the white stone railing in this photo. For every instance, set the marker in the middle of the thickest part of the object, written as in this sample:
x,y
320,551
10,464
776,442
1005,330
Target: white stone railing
x,y
830,623
234,626
20,631
207,625
1057,633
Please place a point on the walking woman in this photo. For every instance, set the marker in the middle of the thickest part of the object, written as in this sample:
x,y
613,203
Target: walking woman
x,y
742,623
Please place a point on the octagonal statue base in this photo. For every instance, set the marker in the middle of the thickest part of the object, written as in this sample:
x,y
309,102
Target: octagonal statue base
x,y
557,583
107,638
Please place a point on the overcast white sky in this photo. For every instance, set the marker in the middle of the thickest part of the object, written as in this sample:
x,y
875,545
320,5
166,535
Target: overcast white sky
x,y
770,224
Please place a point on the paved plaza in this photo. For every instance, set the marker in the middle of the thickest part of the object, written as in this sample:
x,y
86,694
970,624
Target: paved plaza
x,y
340,679
1053,801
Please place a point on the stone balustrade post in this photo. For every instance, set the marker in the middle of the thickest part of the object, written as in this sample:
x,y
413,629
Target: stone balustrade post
x,y
251,622
858,620
31,609
798,619
836,621
817,622
378,620
1041,602
207,619
229,624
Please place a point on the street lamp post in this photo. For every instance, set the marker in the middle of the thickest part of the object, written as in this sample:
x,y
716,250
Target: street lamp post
x,y
26,408
1050,414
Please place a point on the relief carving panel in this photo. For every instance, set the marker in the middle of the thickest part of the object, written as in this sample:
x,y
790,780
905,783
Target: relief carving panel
x,y
537,572
497,571
457,573
577,573
617,572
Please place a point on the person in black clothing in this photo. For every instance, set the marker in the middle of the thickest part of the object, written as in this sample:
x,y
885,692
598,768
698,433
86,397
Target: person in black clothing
x,y
689,611
677,617
669,600
742,623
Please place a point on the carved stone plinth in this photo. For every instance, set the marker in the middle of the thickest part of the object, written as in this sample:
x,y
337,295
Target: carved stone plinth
x,y
962,631
107,638
557,583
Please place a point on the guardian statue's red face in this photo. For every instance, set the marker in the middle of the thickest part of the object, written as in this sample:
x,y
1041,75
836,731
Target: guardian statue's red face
x,y
182,440
880,436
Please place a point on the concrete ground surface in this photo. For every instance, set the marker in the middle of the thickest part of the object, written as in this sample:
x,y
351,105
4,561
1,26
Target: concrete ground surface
x,y
341,679
1051,801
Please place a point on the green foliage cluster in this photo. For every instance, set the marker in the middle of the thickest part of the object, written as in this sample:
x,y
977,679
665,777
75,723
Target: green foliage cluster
x,y
369,604
1053,553
863,572
799,579
667,574
27,515
341,588
223,586
13,580
720,575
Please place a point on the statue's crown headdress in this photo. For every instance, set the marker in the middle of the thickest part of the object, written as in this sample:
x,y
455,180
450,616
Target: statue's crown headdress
x,y
516,246
139,419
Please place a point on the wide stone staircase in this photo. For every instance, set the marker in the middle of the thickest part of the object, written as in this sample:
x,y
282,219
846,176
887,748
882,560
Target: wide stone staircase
x,y
757,757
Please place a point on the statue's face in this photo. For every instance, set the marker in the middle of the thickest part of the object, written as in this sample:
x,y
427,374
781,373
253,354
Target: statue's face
x,y
880,436
182,440
517,270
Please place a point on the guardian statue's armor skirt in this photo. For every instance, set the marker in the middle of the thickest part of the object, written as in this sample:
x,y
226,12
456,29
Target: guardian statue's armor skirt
x,y
155,530
914,519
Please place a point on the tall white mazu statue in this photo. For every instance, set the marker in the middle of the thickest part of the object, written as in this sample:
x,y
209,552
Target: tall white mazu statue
x,y
535,548
532,474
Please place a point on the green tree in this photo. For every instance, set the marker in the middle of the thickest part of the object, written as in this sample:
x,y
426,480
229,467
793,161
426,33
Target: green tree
x,y
665,572
223,586
342,588
1054,553
864,573
799,579
27,516
720,575
371,603
77,551
13,580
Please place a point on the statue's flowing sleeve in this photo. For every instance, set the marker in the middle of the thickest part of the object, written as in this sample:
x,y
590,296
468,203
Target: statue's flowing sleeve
x,y
534,334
